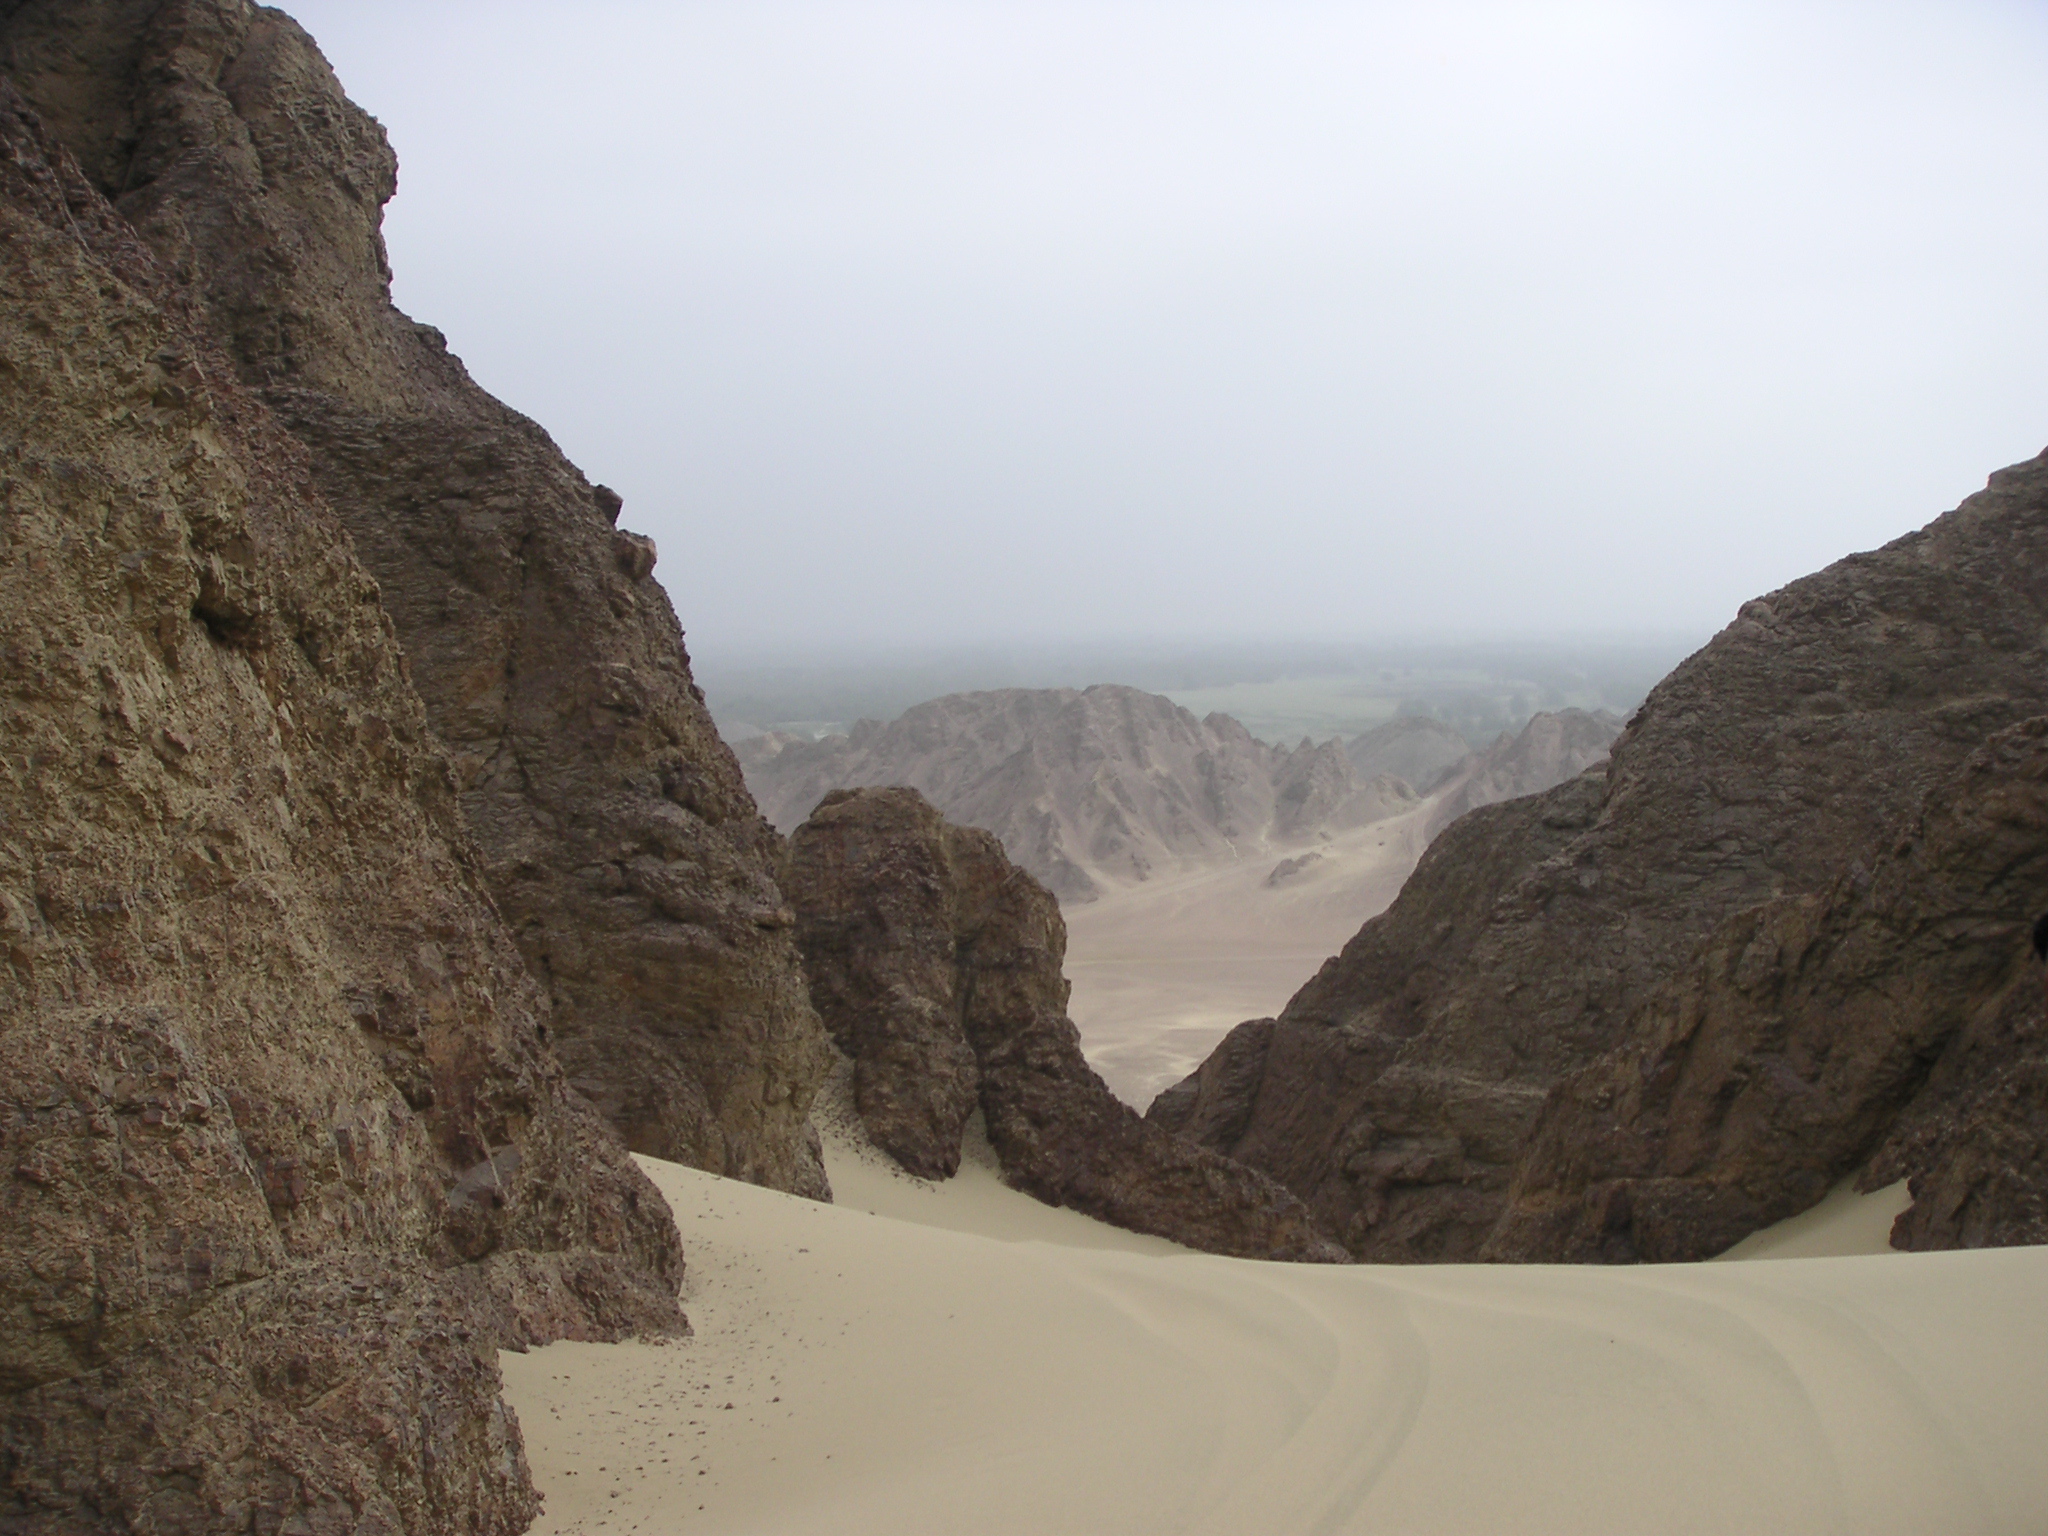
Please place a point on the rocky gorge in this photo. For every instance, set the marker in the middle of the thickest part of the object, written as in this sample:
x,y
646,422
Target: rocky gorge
x,y
373,881
372,878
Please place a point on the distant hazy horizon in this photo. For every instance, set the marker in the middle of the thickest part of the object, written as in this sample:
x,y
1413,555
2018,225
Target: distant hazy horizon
x,y
1280,689
910,322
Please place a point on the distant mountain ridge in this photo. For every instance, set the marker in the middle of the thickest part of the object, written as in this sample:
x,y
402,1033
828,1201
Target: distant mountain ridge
x,y
1107,786
1419,748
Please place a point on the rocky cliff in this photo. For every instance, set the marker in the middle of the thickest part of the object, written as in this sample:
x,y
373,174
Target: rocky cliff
x,y
289,1158
936,964
1890,1025
1087,788
620,842
1396,1091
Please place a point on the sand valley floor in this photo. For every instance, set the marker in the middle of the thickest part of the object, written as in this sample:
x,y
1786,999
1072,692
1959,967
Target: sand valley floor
x,y
1162,970
949,1358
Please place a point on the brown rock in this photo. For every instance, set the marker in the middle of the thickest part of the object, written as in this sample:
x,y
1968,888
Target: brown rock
x,y
1394,1091
621,844
285,1157
1809,1029
935,962
877,910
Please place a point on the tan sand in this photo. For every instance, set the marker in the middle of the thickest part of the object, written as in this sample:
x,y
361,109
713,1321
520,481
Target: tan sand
x,y
966,1360
1844,1223
1161,971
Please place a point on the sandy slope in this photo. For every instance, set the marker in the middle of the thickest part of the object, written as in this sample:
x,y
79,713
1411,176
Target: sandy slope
x,y
1161,971
968,1360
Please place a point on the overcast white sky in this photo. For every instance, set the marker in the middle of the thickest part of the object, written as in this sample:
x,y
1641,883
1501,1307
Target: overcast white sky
x,y
1010,321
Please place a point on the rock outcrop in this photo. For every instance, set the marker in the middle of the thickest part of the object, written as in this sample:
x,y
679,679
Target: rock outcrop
x,y
620,842
288,1157
1396,1090
935,962
1088,789
1897,1012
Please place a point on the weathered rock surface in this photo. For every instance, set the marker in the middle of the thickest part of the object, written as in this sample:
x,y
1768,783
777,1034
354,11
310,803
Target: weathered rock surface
x,y
1774,1062
1550,748
621,844
935,962
1395,1091
1088,788
287,1157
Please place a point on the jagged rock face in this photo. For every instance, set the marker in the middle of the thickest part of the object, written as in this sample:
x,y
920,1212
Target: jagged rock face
x,y
878,908
1395,1090
1087,789
936,964
1413,748
289,1156
1973,1143
1806,1031
621,843
1552,747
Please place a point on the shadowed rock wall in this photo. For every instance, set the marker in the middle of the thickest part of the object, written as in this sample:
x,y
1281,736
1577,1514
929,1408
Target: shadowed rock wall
x,y
1395,1091
1897,1012
287,1157
620,842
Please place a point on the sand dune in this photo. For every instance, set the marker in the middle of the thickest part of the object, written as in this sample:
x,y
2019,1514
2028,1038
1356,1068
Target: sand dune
x,y
964,1359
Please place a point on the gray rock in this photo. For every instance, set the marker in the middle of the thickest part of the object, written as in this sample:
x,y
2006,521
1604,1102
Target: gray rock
x,y
1413,748
1084,787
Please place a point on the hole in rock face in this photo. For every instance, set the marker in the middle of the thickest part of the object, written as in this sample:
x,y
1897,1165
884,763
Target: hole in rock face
x,y
226,628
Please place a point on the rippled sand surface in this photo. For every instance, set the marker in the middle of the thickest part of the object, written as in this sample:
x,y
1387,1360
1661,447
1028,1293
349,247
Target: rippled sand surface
x,y
956,1358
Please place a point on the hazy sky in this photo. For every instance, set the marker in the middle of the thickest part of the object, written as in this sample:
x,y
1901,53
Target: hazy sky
x,y
1016,320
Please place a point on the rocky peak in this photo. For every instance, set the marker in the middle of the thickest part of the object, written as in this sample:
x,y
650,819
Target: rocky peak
x,y
619,839
1552,747
1089,789
1415,748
